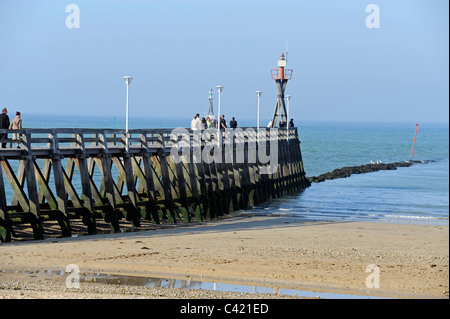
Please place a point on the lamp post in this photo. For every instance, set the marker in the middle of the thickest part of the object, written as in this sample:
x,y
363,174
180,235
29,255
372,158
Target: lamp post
x,y
288,97
259,96
127,81
219,89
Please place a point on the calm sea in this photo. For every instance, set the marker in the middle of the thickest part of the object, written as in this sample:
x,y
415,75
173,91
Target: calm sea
x,y
416,194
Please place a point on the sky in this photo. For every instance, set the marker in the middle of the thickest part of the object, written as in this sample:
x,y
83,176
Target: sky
x,y
177,50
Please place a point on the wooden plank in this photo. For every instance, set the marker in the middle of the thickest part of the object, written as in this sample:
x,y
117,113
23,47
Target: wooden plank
x,y
61,196
71,191
213,205
82,164
33,198
182,191
132,211
194,188
121,178
105,168
265,182
239,158
232,180
19,195
45,174
204,197
44,188
146,180
166,182
251,161
18,182
223,172
87,186
96,195
6,230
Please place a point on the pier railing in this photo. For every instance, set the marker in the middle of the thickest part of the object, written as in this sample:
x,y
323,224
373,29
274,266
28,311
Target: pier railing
x,y
73,175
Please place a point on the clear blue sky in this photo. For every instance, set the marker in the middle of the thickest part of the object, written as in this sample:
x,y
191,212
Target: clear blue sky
x,y
178,50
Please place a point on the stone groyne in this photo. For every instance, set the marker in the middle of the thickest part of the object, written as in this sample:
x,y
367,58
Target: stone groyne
x,y
367,168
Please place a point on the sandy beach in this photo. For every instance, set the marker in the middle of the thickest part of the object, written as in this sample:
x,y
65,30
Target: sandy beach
x,y
263,251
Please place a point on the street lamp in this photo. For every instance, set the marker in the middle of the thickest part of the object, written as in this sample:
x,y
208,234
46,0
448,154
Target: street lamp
x,y
259,96
288,97
219,88
127,81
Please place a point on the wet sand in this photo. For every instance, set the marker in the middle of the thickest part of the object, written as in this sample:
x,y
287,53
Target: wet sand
x,y
268,251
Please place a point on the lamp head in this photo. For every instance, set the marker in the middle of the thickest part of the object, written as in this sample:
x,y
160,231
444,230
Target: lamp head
x,y
128,79
219,88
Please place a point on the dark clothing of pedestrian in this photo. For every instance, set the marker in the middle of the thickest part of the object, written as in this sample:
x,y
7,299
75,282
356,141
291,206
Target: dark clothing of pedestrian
x,y
233,124
4,124
282,124
223,123
291,123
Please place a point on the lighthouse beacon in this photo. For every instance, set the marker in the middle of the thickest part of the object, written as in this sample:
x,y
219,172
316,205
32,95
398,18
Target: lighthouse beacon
x,y
281,77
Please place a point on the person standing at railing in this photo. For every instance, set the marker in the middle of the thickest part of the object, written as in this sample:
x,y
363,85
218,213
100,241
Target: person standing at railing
x,y
4,124
194,123
198,122
209,122
291,123
204,124
223,122
233,123
16,124
212,123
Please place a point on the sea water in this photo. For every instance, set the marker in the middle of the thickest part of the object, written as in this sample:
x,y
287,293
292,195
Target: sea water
x,y
415,194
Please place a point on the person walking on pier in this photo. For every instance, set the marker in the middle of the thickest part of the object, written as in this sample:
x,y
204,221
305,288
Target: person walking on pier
x,y
209,122
194,123
233,123
204,124
4,124
198,122
16,124
223,122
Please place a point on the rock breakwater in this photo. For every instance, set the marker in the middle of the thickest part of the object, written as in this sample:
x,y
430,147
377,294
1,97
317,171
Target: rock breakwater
x,y
367,168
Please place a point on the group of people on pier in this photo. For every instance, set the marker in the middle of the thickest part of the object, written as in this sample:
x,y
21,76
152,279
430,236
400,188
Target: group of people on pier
x,y
5,123
283,123
205,123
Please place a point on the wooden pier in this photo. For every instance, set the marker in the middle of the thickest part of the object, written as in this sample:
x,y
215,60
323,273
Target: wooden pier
x,y
86,176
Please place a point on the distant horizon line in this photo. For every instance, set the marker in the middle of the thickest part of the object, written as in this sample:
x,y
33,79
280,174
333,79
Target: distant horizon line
x,y
242,119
